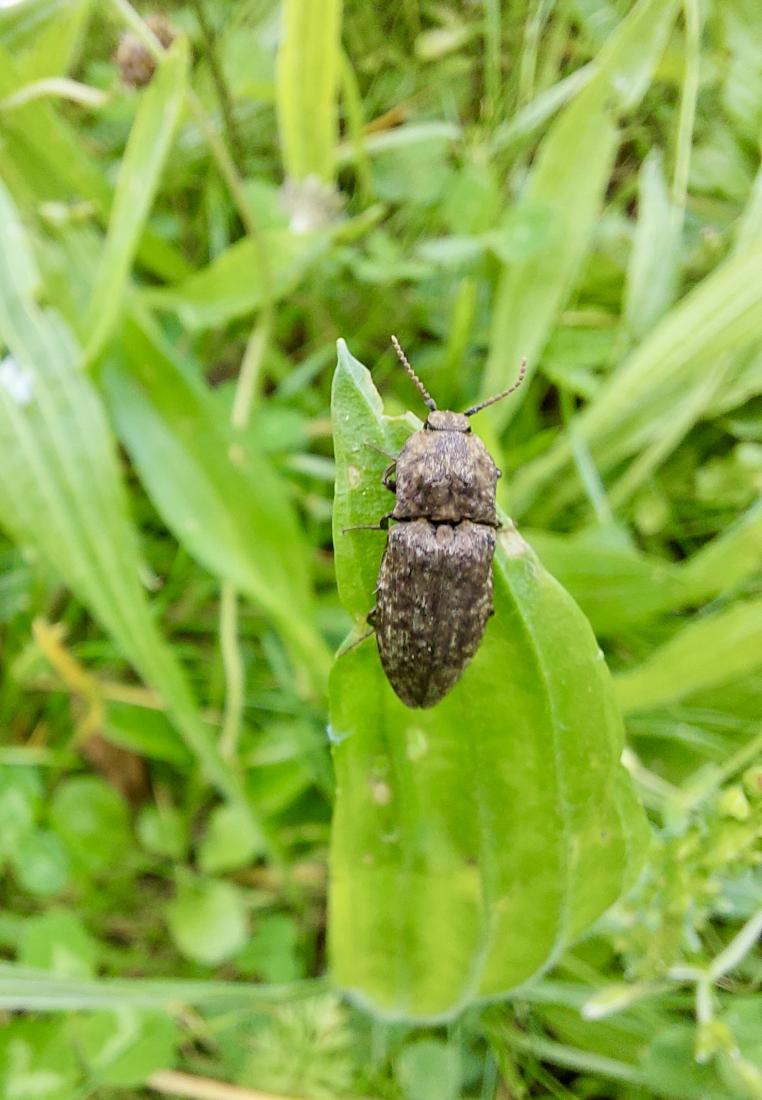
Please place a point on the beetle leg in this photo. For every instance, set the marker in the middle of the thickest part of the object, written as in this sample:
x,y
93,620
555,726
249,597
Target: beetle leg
x,y
382,525
388,478
353,645
370,618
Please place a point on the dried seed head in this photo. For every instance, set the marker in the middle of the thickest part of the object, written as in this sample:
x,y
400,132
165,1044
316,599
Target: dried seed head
x,y
136,65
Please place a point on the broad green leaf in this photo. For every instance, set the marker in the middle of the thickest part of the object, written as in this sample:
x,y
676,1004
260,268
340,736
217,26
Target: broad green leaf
x,y
709,651
309,68
568,180
238,282
364,444
503,812
217,493
144,158
62,493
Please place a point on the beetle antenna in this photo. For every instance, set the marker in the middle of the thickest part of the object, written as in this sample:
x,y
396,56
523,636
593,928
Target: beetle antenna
x,y
499,396
428,400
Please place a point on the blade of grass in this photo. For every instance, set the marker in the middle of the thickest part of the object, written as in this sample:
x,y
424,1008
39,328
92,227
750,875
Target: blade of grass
x,y
568,180
61,492
216,492
719,316
713,650
147,150
309,68
25,990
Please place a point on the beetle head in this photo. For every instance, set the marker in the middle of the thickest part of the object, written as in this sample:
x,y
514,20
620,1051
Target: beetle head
x,y
441,421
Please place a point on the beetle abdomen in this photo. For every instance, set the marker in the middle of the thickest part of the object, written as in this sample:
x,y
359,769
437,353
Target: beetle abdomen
x,y
434,599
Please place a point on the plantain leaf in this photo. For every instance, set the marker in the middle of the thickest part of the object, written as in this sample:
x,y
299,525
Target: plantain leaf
x,y
471,842
61,493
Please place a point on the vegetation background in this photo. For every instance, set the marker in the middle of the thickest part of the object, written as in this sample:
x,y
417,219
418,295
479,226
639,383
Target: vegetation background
x,y
576,181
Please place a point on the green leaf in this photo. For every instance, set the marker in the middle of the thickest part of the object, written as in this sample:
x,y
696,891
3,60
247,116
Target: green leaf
x,y
272,952
360,433
24,989
20,803
58,942
123,1048
567,182
40,863
62,493
216,491
92,821
309,66
37,1061
707,652
653,266
50,45
718,317
207,920
429,1069
230,841
162,830
144,158
237,283
502,812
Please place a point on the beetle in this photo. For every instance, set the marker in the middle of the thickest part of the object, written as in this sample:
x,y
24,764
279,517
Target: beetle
x,y
434,592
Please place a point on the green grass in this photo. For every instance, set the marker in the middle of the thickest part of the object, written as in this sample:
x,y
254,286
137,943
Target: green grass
x,y
193,875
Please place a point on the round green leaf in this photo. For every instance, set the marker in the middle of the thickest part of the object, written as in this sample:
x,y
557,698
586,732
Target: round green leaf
x,y
41,863
207,920
161,830
92,821
231,840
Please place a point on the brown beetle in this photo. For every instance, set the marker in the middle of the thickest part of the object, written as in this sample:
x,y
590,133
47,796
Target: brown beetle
x,y
434,592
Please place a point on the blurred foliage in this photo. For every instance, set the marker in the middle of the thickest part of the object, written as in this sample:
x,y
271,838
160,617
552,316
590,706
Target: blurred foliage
x,y
572,180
